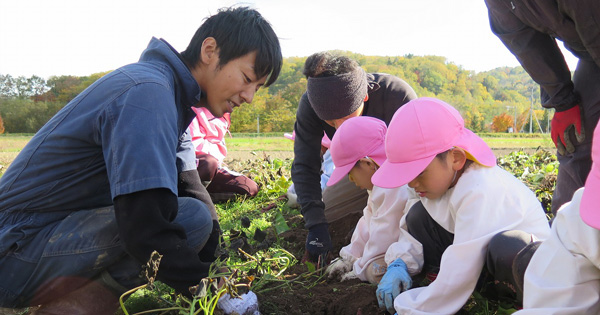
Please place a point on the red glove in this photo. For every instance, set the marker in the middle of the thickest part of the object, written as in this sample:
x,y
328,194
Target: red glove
x,y
562,124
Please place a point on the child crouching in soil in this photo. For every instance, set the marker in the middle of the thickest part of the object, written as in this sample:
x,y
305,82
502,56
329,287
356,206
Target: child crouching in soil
x,y
357,150
472,219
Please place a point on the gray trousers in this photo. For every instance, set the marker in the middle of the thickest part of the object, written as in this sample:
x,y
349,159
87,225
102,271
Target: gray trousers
x,y
342,199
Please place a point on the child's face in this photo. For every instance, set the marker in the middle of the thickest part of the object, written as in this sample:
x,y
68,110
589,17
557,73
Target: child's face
x,y
362,172
435,180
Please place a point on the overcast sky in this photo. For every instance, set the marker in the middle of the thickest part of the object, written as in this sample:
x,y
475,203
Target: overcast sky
x,y
81,37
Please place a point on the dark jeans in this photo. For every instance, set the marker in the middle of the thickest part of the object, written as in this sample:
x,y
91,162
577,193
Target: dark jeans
x,y
497,280
55,253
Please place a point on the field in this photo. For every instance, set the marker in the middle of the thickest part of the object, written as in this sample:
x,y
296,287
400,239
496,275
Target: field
x,y
246,147
264,237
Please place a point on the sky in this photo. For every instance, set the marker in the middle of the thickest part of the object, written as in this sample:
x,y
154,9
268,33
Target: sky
x,y
81,37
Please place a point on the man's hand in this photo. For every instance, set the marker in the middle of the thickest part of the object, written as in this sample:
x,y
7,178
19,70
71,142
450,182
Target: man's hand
x,y
338,268
211,250
562,124
395,280
318,245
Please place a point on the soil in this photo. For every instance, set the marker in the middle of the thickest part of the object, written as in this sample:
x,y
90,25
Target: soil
x,y
329,297
326,296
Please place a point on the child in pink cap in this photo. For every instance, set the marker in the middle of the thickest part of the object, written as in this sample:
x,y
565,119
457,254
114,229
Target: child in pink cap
x,y
472,215
563,276
357,150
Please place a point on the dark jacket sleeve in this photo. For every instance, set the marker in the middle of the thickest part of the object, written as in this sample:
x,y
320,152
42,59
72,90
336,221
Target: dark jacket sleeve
x,y
537,52
307,162
145,224
189,185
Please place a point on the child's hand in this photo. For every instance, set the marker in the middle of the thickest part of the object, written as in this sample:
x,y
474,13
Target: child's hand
x,y
339,267
395,281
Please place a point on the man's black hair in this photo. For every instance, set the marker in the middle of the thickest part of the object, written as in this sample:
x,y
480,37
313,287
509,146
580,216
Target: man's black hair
x,y
327,64
239,31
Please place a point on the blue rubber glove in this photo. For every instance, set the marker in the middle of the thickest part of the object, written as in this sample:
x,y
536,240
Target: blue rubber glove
x,y
395,280
318,244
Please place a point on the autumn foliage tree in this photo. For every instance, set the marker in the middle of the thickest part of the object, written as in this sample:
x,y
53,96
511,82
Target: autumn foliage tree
x,y
501,122
1,125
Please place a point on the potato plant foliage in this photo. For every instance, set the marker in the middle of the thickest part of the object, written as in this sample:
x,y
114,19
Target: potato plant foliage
x,y
255,255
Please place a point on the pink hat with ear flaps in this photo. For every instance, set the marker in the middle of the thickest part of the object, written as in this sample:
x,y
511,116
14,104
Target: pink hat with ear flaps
x,y
356,138
589,208
418,131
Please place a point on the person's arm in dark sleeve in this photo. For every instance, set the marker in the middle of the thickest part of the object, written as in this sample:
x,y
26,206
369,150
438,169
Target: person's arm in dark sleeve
x,y
189,185
144,220
307,164
537,52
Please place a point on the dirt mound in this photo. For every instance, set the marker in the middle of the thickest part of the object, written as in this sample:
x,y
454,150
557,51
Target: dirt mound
x,y
315,294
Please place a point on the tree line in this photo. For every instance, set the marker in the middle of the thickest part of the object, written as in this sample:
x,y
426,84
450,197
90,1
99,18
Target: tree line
x,y
490,101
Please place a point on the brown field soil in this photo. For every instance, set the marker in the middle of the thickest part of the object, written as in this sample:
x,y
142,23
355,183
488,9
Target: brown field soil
x,y
317,295
322,296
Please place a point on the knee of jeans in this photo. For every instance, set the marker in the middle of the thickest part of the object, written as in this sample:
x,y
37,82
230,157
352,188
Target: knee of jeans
x,y
196,220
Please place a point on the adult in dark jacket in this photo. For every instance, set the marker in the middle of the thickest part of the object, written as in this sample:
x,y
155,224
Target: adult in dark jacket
x,y
112,176
337,89
529,29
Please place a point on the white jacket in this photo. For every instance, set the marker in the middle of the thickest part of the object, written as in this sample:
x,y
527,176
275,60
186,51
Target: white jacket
x,y
563,276
378,228
484,202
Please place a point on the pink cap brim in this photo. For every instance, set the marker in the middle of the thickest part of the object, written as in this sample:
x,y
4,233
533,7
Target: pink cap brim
x,y
391,175
339,173
377,154
478,151
589,209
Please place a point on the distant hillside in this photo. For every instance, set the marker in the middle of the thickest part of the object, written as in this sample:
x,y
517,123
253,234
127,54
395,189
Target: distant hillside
x,y
489,101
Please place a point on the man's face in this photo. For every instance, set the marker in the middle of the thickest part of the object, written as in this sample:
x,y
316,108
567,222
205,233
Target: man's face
x,y
231,85
336,123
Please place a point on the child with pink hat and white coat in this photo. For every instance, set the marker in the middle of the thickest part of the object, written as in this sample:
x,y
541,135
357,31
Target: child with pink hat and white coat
x,y
357,150
472,218
563,276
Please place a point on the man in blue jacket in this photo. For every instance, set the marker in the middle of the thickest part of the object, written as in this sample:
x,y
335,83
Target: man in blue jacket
x,y
112,176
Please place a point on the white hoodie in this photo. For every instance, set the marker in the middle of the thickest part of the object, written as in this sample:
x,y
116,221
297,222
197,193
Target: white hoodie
x,y
563,276
378,228
484,202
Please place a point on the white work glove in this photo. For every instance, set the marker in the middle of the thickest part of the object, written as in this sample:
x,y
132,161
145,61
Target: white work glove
x,y
246,304
349,276
338,268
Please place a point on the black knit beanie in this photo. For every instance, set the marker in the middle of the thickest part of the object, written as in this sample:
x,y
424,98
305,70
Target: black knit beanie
x,y
337,96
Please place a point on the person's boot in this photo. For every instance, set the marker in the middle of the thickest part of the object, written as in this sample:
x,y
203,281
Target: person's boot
x,y
97,297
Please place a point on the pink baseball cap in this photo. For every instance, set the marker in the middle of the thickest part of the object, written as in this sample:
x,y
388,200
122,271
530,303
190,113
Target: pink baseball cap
x,y
589,208
418,131
324,141
356,138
